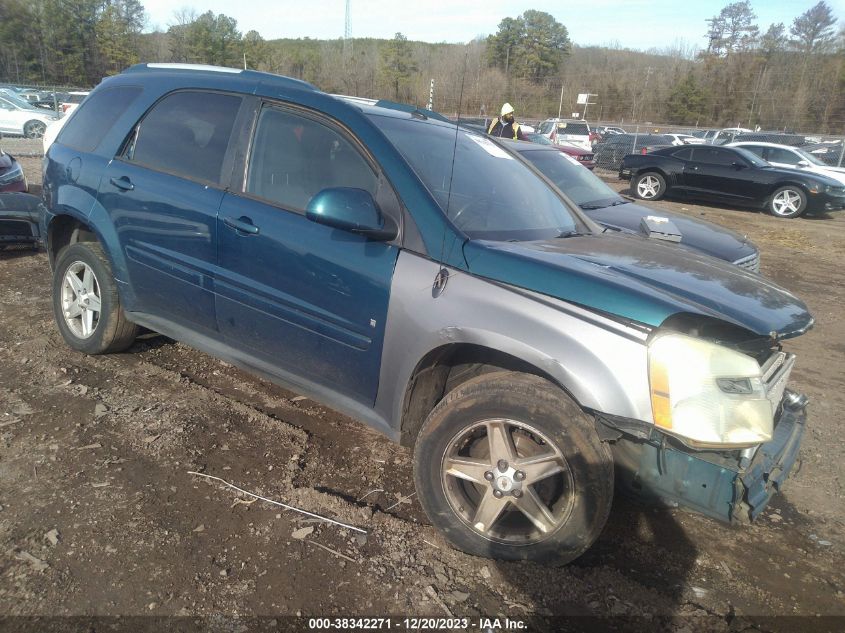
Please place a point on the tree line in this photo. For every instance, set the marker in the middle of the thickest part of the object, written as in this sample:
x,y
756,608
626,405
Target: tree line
x,y
786,76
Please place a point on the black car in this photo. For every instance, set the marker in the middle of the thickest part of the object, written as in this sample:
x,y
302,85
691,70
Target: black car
x,y
19,214
603,205
730,175
614,147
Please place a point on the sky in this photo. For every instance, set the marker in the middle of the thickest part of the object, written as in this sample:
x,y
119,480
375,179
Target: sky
x,y
637,24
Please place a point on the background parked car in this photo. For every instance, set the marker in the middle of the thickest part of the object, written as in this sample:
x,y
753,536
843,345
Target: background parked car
x,y
679,138
575,132
779,138
584,157
20,118
728,135
73,100
603,205
12,178
792,158
731,175
611,150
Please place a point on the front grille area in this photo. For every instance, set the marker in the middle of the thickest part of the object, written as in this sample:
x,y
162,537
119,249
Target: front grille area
x,y
752,262
776,372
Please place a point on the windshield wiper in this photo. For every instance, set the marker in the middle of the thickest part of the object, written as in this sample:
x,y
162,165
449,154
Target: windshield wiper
x,y
569,234
591,207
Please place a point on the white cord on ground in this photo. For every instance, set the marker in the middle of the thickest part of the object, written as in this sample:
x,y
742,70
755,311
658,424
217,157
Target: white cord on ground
x,y
278,503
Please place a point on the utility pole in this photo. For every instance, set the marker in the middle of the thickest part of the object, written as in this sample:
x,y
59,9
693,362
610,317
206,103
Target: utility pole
x,y
431,96
645,87
560,106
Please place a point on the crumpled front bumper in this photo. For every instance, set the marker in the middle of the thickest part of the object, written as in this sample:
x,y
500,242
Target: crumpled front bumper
x,y
731,487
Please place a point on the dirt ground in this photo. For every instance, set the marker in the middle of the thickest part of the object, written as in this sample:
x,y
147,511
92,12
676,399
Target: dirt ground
x,y
100,516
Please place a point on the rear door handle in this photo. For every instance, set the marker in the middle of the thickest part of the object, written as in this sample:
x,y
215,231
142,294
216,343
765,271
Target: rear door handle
x,y
123,183
242,224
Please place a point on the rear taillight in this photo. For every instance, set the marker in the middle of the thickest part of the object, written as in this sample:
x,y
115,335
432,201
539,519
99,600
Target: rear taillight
x,y
643,151
65,107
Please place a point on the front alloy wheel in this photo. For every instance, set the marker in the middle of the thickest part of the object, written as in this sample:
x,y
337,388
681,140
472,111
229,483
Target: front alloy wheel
x,y
507,481
788,202
508,466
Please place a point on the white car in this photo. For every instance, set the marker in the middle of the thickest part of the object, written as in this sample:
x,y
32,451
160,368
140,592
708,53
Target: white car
x,y
20,118
683,139
575,132
791,157
727,135
52,131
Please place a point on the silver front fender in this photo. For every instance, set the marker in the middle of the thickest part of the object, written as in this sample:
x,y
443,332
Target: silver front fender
x,y
601,362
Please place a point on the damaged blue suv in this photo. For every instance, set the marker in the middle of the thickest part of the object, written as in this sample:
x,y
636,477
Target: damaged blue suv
x,y
432,284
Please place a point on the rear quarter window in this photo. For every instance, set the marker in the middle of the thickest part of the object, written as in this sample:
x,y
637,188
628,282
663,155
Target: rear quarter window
x,y
93,120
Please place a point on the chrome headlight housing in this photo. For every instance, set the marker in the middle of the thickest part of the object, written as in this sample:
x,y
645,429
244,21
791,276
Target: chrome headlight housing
x,y
707,395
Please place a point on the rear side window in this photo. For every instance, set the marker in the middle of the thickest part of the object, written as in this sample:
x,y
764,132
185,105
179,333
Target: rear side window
x,y
684,153
93,120
186,134
712,156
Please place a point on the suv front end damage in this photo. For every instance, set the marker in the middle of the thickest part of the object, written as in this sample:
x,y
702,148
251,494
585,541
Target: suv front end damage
x,y
673,466
732,486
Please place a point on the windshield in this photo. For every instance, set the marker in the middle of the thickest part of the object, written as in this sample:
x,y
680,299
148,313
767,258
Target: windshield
x,y
539,139
568,127
494,196
586,189
15,100
813,160
751,157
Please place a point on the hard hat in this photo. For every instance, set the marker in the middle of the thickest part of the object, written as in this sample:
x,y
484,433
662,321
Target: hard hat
x,y
507,109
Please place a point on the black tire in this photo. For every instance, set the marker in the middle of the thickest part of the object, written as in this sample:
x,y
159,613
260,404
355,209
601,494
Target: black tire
x,y
113,332
34,129
582,509
643,184
788,202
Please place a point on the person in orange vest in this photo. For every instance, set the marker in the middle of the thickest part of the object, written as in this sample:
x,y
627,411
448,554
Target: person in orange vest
x,y
506,126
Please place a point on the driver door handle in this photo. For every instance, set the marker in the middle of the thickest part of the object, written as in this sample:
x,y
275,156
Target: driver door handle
x,y
242,224
122,183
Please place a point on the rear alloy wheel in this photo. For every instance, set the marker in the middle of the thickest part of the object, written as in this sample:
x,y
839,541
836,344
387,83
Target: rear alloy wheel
x,y
788,202
649,186
34,129
86,303
509,467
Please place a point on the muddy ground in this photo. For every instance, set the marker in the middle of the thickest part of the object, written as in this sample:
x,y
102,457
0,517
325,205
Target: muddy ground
x,y
100,516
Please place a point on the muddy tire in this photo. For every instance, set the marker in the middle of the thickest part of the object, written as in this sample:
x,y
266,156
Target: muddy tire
x,y
509,467
86,304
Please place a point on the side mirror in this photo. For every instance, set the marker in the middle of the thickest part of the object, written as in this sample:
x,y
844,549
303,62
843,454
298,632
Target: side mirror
x,y
803,163
352,210
738,165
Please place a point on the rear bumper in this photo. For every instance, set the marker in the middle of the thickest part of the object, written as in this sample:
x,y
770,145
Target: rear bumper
x,y
731,489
